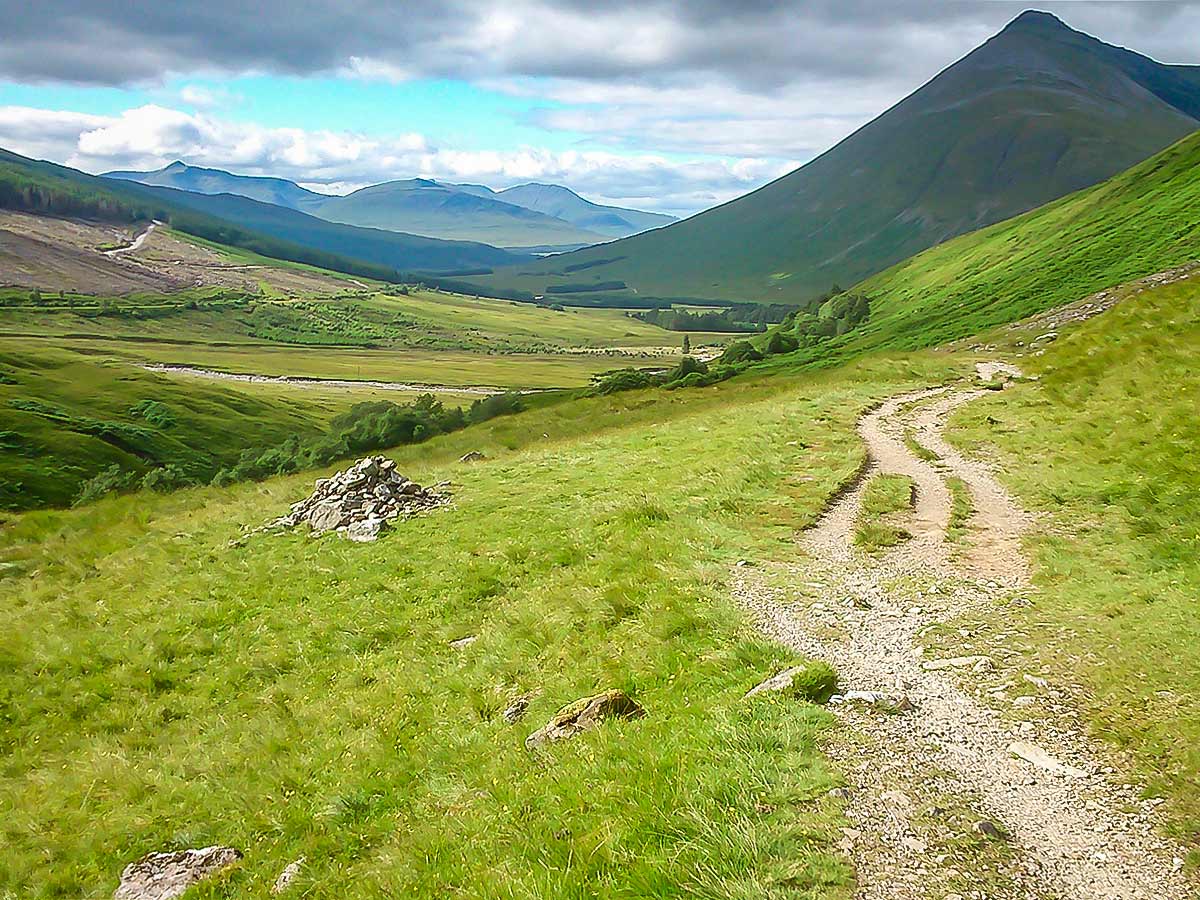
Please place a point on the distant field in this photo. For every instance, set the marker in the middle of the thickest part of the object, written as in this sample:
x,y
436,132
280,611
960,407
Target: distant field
x,y
76,361
514,321
444,368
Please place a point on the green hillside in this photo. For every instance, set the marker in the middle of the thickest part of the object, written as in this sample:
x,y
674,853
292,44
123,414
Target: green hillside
x,y
1140,222
530,215
1037,112
264,228
401,252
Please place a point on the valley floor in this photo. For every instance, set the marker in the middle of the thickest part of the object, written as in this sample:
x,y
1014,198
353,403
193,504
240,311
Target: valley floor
x,y
169,682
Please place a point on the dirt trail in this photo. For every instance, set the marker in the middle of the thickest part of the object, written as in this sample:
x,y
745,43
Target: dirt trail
x,y
925,783
137,242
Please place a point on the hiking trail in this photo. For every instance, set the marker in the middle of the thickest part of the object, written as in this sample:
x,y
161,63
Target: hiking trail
x,y
959,795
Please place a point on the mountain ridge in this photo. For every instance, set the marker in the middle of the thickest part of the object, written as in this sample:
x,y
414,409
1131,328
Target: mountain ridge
x,y
1035,113
520,216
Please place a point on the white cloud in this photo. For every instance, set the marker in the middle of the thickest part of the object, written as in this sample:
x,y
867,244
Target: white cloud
x,y
152,136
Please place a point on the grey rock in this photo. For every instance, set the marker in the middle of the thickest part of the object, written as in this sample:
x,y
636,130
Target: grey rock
x,y
287,876
585,713
326,516
164,876
781,681
364,532
515,711
472,456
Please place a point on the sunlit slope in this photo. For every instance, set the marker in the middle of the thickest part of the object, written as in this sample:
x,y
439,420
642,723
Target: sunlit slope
x,y
1142,221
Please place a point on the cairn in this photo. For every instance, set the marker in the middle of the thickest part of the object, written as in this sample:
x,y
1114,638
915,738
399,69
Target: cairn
x,y
360,501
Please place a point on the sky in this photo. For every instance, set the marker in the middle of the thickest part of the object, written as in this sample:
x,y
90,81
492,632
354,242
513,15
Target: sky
x,y
669,107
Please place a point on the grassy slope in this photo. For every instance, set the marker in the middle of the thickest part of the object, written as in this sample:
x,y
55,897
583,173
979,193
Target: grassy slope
x,y
47,463
1004,130
293,698
1137,223
1142,221
1105,447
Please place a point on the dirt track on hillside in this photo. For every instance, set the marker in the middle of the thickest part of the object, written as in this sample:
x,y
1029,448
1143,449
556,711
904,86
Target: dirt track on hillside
x,y
925,784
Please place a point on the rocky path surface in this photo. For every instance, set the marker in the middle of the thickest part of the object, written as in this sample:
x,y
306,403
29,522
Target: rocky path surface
x,y
137,242
953,793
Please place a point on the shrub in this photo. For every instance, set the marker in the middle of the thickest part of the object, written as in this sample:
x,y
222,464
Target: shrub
x,y
741,351
688,366
165,478
156,413
623,380
110,481
779,342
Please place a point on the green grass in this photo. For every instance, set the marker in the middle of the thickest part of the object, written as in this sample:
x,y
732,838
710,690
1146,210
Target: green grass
x,y
1104,446
919,450
962,507
886,498
50,397
294,698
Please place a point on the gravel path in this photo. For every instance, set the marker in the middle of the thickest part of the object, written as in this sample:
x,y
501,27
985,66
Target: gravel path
x,y
137,242
951,794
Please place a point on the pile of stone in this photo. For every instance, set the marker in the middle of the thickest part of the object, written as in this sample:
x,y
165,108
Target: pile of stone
x,y
360,501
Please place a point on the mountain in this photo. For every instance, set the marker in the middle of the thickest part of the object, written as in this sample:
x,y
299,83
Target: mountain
x,y
1138,223
529,215
275,231
431,208
396,250
1038,111
179,175
564,203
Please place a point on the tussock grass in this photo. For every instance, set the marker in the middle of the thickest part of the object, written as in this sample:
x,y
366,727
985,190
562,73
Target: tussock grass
x,y
919,450
1105,445
297,698
886,497
962,507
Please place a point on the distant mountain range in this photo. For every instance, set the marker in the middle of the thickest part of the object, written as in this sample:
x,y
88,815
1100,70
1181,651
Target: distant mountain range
x,y
1037,112
266,228
525,216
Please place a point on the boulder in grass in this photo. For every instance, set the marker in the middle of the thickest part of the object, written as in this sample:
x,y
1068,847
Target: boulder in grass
x,y
164,876
472,456
583,714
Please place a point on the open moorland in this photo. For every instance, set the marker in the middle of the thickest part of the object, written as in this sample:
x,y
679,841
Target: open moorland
x,y
673,570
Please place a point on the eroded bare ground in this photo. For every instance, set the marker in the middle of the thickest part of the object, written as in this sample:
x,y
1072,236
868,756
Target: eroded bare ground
x,y
951,792
97,258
